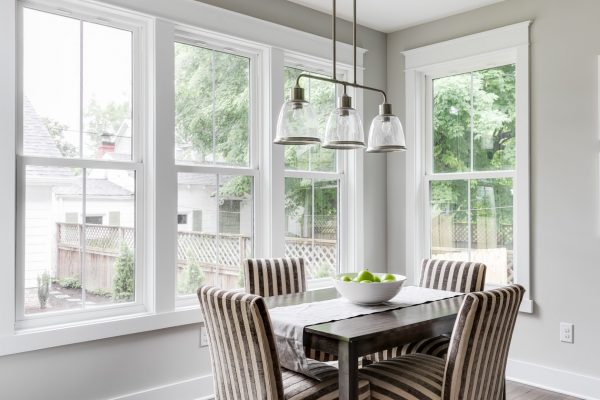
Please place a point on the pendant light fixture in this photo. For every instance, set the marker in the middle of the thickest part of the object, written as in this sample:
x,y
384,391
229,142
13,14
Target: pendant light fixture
x,y
297,122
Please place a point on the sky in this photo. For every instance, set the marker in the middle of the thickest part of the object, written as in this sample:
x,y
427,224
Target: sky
x,y
52,76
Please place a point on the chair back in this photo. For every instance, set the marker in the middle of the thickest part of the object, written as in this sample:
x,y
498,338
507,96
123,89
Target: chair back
x,y
476,361
274,276
454,276
242,346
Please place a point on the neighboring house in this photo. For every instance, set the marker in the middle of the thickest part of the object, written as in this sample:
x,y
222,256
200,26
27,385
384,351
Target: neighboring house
x,y
54,195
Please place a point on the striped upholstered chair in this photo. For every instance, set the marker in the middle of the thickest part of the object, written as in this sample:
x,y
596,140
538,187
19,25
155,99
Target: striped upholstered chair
x,y
244,357
454,276
476,362
276,276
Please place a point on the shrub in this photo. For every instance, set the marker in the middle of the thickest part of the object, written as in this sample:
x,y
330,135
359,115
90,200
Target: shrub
x,y
124,281
192,278
43,282
70,282
100,292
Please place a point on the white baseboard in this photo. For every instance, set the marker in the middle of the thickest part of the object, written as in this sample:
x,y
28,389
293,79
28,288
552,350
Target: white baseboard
x,y
553,379
200,388
556,380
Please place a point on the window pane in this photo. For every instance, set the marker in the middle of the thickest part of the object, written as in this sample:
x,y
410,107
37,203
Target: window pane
x,y
56,223
449,220
311,224
494,118
109,236
212,100
474,117
452,123
52,234
217,233
51,104
107,92
77,88
322,96
492,227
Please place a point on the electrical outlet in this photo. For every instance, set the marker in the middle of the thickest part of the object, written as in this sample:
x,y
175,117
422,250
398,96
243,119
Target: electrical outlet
x,y
203,337
566,332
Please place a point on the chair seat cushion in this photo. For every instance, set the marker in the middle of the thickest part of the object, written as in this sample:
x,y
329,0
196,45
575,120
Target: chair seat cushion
x,y
415,376
435,346
300,387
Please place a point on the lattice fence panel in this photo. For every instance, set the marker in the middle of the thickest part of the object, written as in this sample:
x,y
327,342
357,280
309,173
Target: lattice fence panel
x,y
319,255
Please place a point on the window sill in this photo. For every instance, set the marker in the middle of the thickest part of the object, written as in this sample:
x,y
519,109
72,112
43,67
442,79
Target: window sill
x,y
42,338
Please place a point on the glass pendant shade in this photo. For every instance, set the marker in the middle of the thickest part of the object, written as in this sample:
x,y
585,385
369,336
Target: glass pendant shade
x,y
344,129
297,122
386,133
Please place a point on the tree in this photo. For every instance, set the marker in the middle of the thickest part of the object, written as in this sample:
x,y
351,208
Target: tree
x,y
124,279
104,118
481,104
57,131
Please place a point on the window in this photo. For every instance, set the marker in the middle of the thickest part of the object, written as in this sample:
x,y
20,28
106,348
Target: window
x,y
213,147
312,183
472,168
182,219
93,219
144,168
78,163
468,177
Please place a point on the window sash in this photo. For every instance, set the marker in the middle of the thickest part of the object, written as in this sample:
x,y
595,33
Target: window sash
x,y
136,27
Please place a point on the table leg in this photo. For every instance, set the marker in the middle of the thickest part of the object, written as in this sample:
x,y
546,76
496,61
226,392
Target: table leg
x,y
348,371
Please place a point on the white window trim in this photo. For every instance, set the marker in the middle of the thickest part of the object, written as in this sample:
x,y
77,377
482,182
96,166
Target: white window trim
x,y
274,42
509,44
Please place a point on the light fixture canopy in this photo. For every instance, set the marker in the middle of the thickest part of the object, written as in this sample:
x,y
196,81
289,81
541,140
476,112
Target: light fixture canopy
x,y
386,133
344,129
297,122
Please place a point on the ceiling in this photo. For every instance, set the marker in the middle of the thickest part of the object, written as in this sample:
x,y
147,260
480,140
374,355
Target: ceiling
x,y
393,15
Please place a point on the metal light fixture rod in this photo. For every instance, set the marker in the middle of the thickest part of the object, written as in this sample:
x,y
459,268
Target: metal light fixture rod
x,y
343,83
334,40
354,38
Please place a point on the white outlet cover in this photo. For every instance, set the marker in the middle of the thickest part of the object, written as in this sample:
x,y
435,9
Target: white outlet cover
x,y
566,332
203,337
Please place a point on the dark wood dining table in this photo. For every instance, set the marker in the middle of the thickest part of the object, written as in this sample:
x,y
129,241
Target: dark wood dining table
x,y
352,338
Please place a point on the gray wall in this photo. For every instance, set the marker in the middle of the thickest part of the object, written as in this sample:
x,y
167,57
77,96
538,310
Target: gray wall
x,y
111,367
565,218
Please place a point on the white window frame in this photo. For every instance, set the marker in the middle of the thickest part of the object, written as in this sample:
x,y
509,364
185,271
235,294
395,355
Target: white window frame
x,y
195,37
502,46
137,28
159,309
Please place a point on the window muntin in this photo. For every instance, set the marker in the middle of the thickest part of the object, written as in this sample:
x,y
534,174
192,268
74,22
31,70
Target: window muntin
x,y
212,101
213,147
77,164
473,167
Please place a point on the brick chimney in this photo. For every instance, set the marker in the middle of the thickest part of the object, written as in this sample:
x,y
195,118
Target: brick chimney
x,y
107,145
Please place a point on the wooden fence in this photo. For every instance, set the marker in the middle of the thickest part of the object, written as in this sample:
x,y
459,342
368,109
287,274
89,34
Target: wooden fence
x,y
219,256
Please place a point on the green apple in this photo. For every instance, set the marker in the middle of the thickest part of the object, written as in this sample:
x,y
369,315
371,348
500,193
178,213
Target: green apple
x,y
346,278
366,281
364,275
389,277
376,279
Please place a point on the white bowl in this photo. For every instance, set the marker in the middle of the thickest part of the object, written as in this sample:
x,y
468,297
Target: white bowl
x,y
368,293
